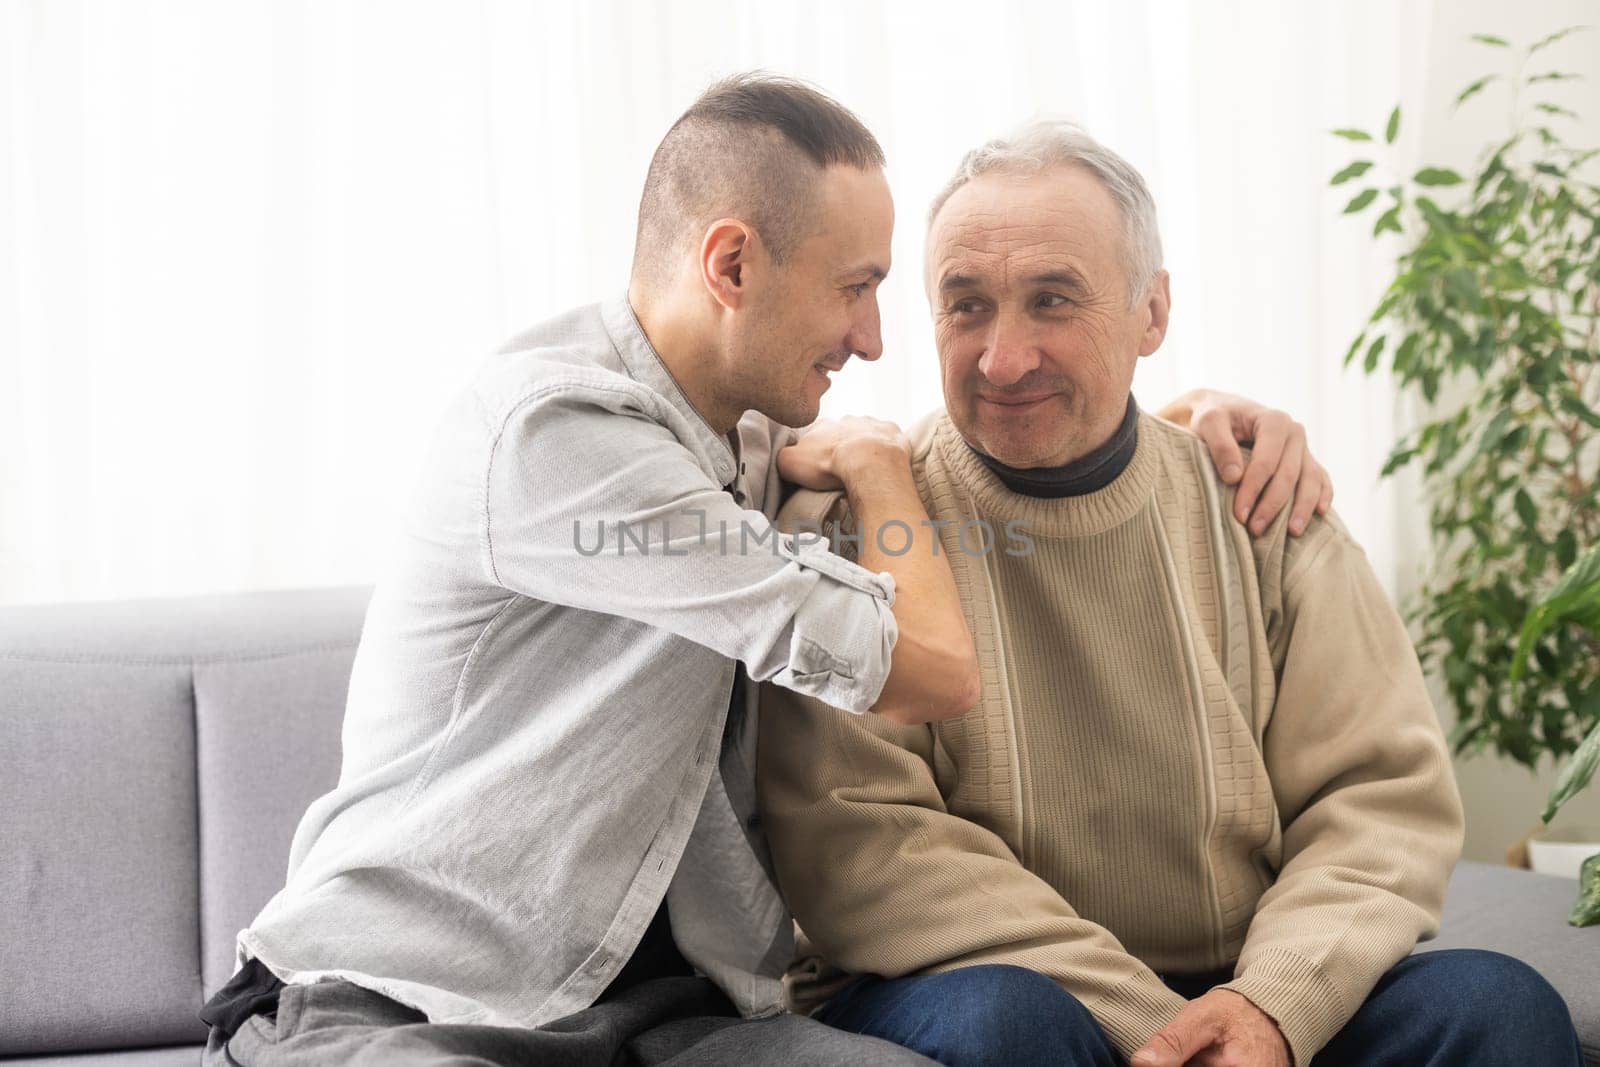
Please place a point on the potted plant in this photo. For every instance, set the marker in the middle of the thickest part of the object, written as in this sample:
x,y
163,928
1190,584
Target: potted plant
x,y
1574,602
1495,305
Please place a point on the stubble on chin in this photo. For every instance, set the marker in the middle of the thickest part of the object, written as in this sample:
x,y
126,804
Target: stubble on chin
x,y
1033,440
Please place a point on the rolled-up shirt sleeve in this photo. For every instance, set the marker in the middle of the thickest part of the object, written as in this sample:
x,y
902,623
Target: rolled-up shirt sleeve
x,y
591,502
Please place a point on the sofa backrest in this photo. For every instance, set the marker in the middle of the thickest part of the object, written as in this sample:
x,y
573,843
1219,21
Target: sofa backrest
x,y
155,758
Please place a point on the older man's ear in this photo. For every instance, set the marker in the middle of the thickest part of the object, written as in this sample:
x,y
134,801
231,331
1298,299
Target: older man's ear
x,y
1158,305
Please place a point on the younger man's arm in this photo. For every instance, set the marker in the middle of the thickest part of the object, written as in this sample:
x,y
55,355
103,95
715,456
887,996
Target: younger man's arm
x,y
934,672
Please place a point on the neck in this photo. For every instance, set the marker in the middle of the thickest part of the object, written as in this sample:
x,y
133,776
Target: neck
x,y
1091,472
680,340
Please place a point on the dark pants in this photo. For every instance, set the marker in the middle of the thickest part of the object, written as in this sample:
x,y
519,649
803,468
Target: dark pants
x,y
678,1021
1451,1008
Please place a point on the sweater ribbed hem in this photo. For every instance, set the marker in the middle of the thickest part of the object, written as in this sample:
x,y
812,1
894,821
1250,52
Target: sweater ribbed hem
x,y
1298,996
1132,1012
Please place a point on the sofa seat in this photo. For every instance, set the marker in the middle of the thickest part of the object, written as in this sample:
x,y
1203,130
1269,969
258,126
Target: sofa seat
x,y
156,756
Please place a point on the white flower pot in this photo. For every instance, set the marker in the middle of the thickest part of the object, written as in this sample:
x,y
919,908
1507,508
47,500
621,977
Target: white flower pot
x,y
1561,850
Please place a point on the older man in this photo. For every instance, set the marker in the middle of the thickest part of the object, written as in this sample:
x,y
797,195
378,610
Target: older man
x,y
1203,811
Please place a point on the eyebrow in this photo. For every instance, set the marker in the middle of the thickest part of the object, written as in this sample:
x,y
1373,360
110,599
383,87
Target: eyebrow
x,y
1065,278
869,270
951,282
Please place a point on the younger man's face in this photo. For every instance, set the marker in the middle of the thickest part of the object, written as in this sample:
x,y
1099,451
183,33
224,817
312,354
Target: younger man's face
x,y
821,305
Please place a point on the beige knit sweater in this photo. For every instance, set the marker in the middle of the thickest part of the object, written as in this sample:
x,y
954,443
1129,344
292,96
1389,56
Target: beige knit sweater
x,y
1195,749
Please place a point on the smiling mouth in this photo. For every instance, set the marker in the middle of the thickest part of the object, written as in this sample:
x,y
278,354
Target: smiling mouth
x,y
1016,402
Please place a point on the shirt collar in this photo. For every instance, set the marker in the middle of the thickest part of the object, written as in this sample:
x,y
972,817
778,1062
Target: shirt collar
x,y
645,366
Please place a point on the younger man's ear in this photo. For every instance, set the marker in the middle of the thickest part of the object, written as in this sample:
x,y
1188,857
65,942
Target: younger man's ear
x,y
725,255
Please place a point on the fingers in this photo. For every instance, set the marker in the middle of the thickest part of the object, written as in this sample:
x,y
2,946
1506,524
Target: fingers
x,y
1280,487
1314,487
802,465
1272,434
1215,429
1191,1030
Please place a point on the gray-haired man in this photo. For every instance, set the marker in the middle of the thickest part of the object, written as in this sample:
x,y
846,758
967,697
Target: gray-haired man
x,y
1203,811
543,832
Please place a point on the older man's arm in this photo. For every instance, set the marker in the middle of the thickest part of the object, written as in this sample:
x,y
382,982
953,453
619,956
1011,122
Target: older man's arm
x,y
885,880
1372,822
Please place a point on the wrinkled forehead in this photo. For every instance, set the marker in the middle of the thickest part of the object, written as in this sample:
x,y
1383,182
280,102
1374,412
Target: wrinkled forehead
x,y
999,228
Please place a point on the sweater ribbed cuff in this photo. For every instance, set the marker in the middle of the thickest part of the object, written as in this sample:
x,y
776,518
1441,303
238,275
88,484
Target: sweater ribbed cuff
x,y
1131,1013
1294,992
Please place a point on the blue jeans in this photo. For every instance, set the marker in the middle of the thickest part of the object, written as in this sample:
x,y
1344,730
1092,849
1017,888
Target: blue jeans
x,y
1451,1008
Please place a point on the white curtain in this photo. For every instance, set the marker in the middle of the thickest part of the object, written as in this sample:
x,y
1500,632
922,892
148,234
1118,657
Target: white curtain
x,y
247,248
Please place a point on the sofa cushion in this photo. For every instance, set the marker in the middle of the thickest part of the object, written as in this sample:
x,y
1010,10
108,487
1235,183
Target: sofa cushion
x,y
116,886
1523,914
267,731
97,936
176,1056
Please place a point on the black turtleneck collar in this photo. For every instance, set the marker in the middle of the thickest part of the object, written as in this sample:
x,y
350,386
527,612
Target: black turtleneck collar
x,y
1094,471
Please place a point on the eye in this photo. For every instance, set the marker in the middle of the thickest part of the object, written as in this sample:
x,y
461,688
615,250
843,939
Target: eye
x,y
859,289
1052,300
969,306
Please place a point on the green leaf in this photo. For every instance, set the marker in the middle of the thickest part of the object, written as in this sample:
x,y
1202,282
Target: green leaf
x,y
1374,350
1494,434
1354,170
1407,351
1545,42
1474,89
1554,76
1553,109
1586,909
1361,200
1389,220
1575,776
1350,353
1578,587
1526,510
1573,404
1575,596
1490,39
1350,134
1397,459
1567,550
1392,130
1437,176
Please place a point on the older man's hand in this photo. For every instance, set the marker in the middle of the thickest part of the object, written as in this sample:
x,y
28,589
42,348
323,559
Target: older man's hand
x,y
1281,467
1220,1029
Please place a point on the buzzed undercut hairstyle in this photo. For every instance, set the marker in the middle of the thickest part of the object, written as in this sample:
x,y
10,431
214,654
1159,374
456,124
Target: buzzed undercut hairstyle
x,y
752,148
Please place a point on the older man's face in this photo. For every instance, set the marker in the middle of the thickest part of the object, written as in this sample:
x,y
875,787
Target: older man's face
x,y
1037,342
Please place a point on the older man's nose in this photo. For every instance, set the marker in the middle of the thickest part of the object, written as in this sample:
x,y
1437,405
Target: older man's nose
x,y
1009,357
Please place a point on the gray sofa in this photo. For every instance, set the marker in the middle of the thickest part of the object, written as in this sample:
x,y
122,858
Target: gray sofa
x,y
155,757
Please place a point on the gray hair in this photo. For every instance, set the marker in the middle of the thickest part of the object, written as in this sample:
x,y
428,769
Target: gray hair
x,y
1049,143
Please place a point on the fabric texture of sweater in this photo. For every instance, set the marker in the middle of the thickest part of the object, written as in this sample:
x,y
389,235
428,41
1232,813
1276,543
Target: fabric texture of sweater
x,y
1194,750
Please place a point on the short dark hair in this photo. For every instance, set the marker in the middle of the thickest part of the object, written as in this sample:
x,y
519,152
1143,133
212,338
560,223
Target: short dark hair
x,y
751,147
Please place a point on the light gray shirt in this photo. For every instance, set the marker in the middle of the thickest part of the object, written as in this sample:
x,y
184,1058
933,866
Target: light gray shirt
x,y
534,743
